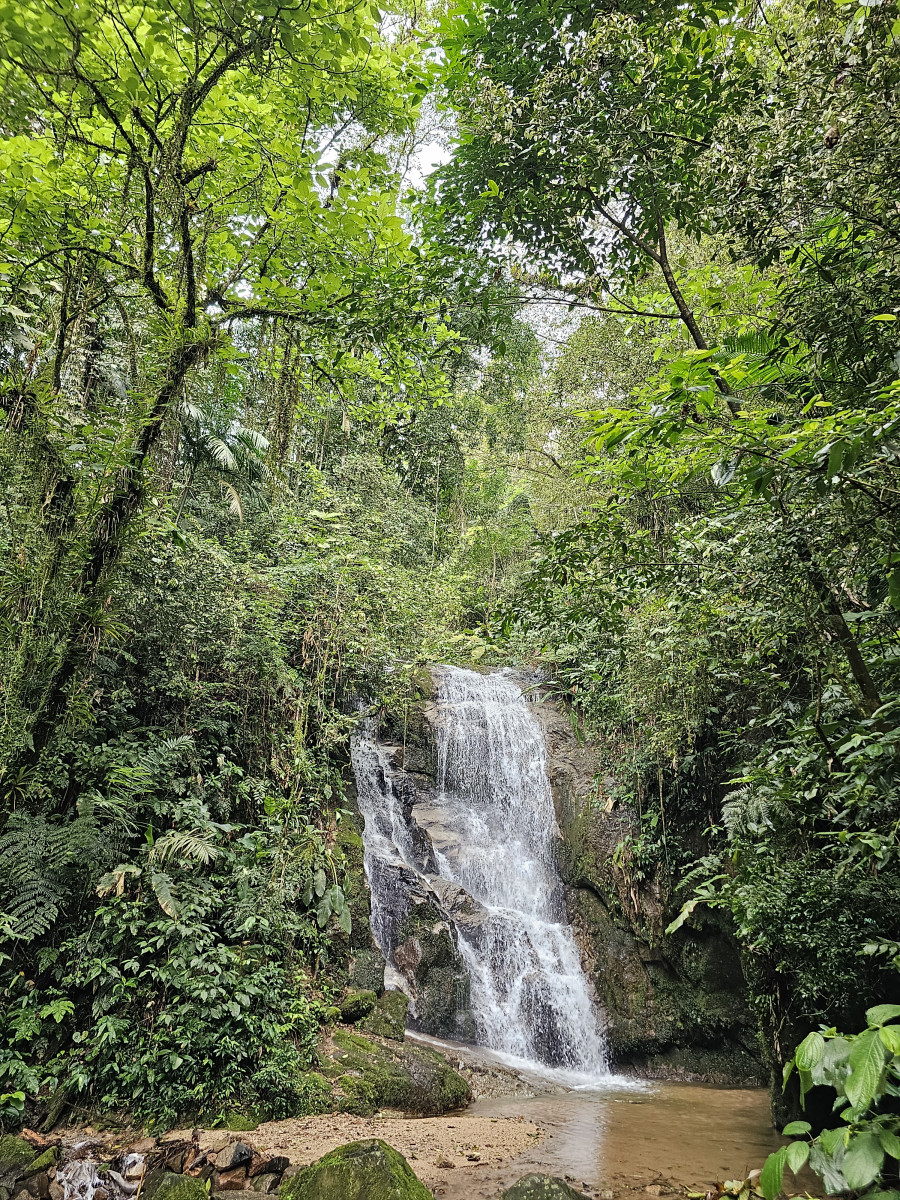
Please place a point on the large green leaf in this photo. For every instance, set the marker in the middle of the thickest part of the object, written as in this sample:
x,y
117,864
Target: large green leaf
x,y
828,1167
797,1155
773,1173
866,1062
882,1013
810,1052
863,1160
796,1129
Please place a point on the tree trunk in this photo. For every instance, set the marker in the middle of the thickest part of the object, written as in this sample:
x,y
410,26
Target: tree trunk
x,y
106,546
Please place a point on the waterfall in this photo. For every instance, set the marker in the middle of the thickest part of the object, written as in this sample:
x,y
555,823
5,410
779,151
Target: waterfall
x,y
486,862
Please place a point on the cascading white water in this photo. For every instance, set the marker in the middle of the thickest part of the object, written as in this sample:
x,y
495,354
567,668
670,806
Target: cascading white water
x,y
491,832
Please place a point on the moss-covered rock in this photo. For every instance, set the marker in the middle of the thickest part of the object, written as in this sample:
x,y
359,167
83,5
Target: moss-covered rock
x,y
240,1122
414,1079
180,1187
365,970
542,1187
153,1180
15,1154
43,1162
387,1018
369,1170
357,1005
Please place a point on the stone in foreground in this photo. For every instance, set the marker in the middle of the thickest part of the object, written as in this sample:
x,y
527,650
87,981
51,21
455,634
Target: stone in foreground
x,y
369,1170
542,1187
180,1187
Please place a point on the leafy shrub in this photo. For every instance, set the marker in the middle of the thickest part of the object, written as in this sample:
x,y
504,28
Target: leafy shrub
x,y
862,1069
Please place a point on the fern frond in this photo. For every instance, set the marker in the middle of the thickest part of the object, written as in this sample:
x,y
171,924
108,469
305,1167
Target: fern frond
x,y
35,856
746,811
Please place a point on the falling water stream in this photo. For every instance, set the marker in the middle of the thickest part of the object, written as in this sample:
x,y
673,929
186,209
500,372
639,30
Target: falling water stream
x,y
490,828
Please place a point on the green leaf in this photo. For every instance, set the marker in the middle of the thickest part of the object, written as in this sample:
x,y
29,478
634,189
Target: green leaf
x,y
828,1166
797,1155
773,1173
882,1013
796,1128
162,889
686,911
345,920
810,1052
890,1037
831,1139
863,1160
866,1062
890,1143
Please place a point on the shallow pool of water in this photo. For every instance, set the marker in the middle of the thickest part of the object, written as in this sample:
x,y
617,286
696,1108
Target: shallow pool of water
x,y
623,1140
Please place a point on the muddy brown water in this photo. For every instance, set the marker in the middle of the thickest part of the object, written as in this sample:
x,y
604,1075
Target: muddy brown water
x,y
622,1141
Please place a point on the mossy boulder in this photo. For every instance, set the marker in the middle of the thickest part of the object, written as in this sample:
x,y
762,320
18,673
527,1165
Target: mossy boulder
x,y
43,1162
366,970
357,1005
375,1075
387,1018
427,955
238,1122
180,1187
16,1157
542,1187
370,1170
15,1154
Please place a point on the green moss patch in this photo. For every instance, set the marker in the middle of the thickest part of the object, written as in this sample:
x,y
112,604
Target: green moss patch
x,y
411,1078
369,1170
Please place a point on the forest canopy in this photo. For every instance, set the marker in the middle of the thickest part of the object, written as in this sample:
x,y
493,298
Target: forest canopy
x,y
612,394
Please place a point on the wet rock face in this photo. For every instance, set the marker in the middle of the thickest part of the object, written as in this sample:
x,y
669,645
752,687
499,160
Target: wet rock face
x,y
675,1006
542,1187
417,931
369,1170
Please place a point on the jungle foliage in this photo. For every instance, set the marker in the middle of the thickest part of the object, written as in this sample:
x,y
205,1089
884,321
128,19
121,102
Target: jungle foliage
x,y
236,390
715,186
275,431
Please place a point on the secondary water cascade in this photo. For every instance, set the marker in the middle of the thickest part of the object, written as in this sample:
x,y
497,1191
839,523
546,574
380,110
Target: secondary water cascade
x,y
486,863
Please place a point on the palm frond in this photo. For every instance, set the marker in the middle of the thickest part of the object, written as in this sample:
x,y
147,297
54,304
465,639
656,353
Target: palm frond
x,y
184,844
234,502
219,450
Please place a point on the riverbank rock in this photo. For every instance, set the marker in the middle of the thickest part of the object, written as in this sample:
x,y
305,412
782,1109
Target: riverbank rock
x,y
26,1169
387,1016
357,1005
180,1187
369,1075
369,1170
542,1187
